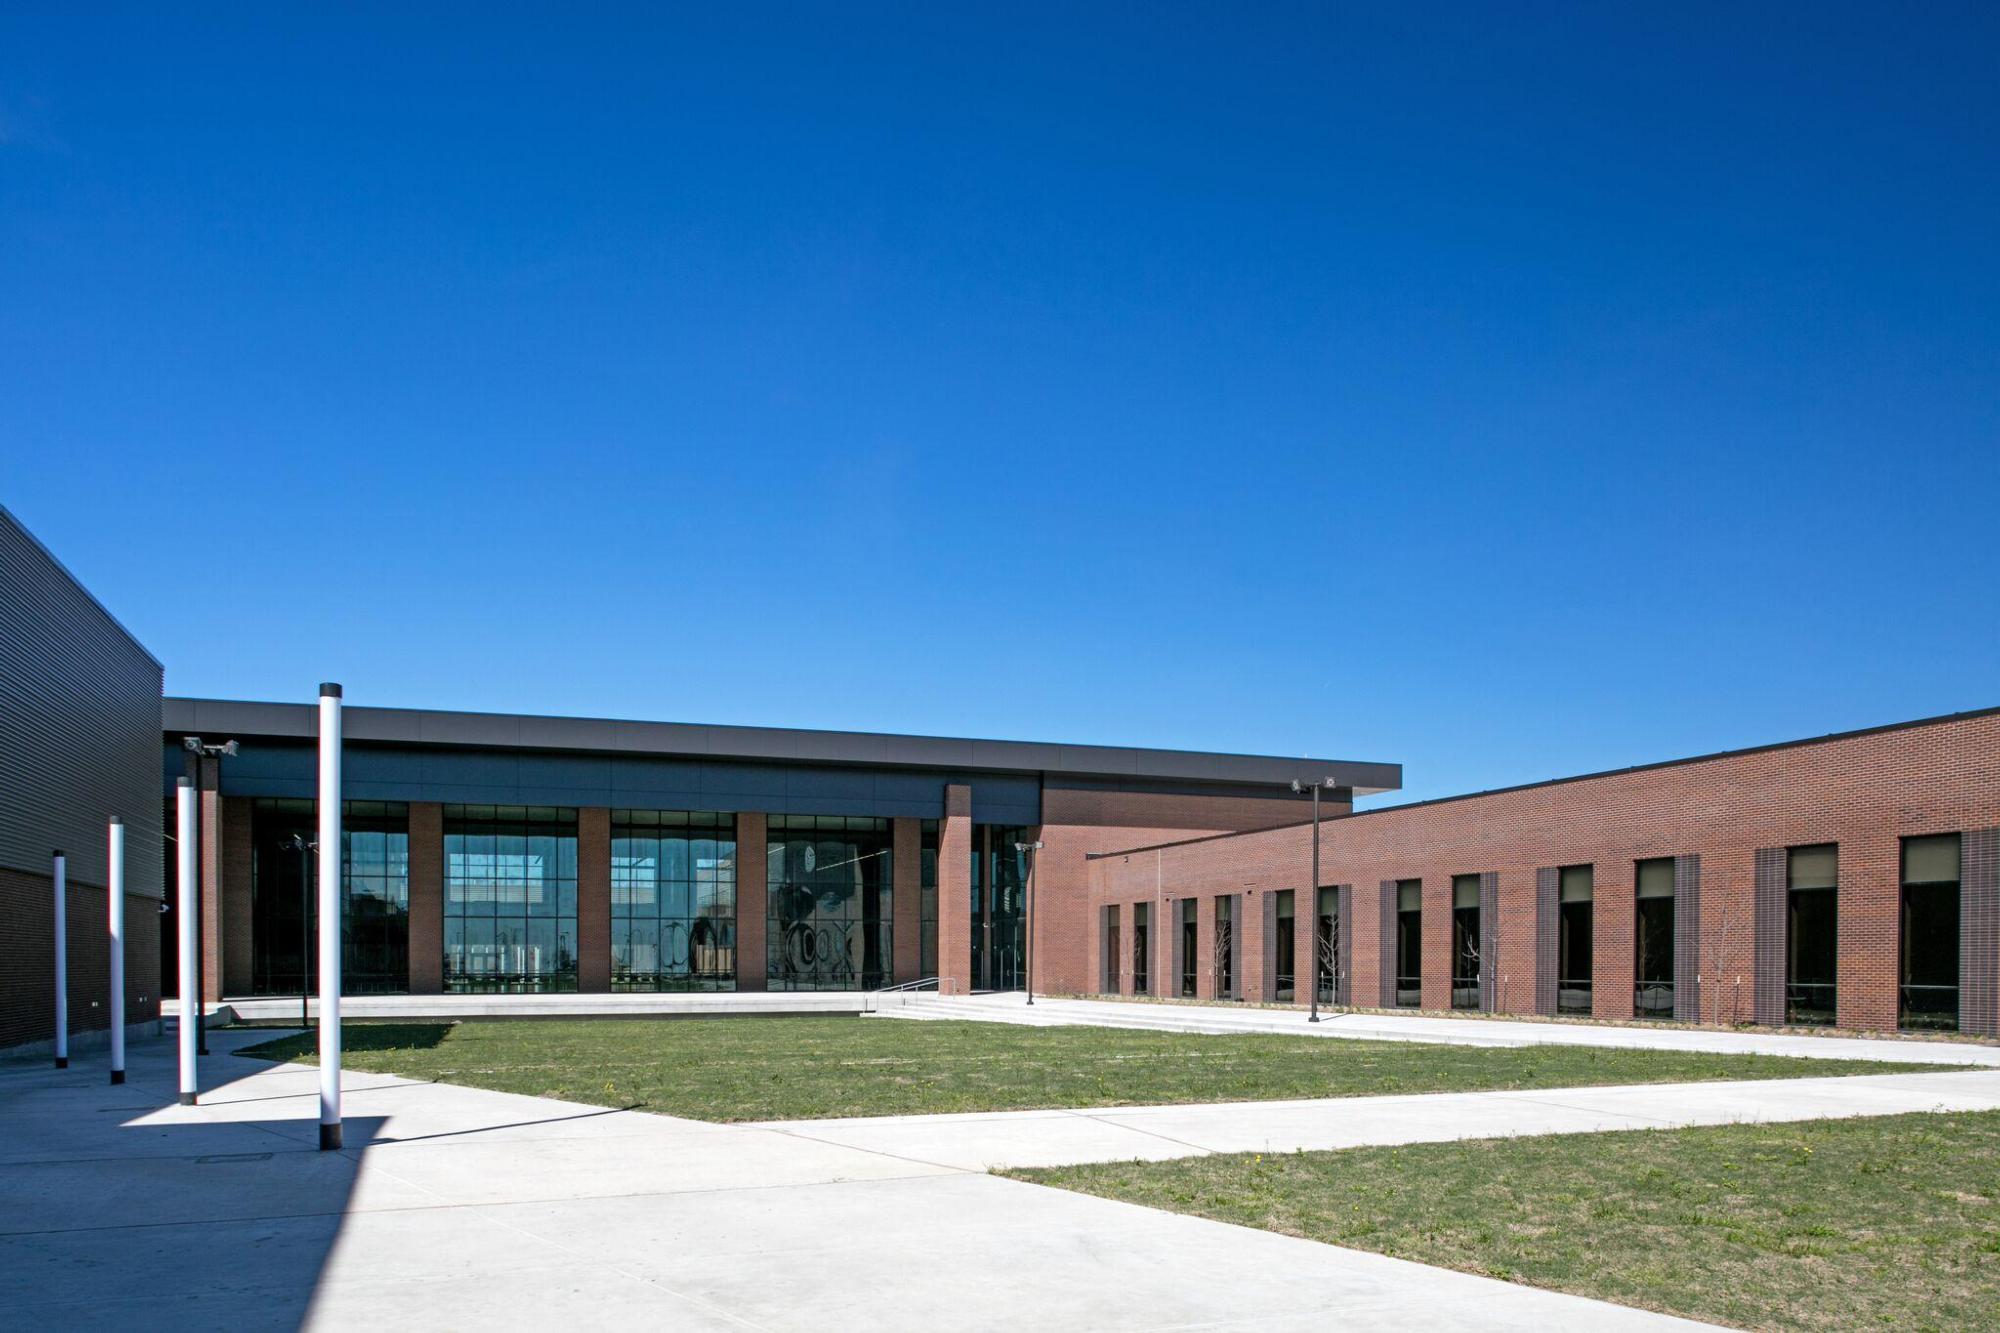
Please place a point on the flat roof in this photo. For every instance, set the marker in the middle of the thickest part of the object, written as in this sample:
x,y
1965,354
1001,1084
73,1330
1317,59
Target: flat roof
x,y
221,719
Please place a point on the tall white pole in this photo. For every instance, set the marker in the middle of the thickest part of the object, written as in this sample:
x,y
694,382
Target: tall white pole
x,y
62,961
114,889
329,917
190,996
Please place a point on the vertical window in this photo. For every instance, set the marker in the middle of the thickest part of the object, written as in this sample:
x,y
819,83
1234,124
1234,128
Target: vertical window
x,y
1930,933
927,909
1653,939
1225,947
1189,945
1285,947
1812,932
1141,919
1465,960
1409,943
1575,939
1326,945
509,898
673,900
827,906
1114,950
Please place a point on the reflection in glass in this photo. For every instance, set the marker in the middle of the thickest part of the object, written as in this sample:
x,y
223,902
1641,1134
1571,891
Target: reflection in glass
x,y
828,885
1576,960
1409,943
1465,961
1812,930
1930,940
374,895
1653,940
673,901
509,898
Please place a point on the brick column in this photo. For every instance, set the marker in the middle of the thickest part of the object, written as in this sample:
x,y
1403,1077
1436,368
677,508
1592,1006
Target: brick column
x,y
1256,927
593,900
753,965
426,898
955,892
906,863
1435,948
1614,912
208,816
236,910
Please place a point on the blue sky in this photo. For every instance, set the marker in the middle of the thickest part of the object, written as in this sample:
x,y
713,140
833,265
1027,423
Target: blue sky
x,y
1508,391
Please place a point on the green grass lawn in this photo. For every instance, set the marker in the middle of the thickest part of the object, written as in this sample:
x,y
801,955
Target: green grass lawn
x,y
805,1068
1889,1222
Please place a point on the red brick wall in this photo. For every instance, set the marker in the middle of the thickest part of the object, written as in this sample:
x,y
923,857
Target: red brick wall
x,y
955,892
1863,792
27,958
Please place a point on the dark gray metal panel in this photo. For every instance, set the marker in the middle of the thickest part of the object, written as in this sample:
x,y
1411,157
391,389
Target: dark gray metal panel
x,y
77,693
1387,932
516,731
1687,939
1767,978
1489,940
1548,881
1979,932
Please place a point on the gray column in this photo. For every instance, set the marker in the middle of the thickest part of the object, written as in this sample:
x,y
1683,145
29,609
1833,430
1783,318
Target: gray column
x,y
1387,931
1687,939
1548,883
1343,943
1767,977
1979,933
1489,940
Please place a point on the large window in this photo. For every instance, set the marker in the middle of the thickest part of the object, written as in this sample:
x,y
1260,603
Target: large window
x,y
1114,950
1653,939
374,897
999,896
1326,944
1812,932
1189,945
1141,919
829,882
1225,947
1285,947
927,899
1575,939
1465,960
673,901
1409,943
1930,933
509,898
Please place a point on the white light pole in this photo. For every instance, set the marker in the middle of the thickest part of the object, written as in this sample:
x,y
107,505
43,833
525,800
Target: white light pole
x,y
329,917
1029,962
185,908
114,889
62,960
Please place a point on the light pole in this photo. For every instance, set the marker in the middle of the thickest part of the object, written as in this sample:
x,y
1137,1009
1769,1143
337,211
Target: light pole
x,y
1324,784
304,846
1030,848
194,746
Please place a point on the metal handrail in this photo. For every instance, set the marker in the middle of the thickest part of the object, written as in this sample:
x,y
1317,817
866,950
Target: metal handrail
x,y
921,983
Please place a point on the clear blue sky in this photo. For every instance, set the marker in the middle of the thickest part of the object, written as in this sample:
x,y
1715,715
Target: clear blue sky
x,y
1508,391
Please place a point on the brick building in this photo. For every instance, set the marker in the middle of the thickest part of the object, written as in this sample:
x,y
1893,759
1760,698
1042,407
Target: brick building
x,y
1850,879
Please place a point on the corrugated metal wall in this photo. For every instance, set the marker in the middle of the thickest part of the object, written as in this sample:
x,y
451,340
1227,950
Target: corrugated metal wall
x,y
79,723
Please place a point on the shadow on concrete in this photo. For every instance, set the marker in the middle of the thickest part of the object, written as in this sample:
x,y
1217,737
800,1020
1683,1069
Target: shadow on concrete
x,y
120,1208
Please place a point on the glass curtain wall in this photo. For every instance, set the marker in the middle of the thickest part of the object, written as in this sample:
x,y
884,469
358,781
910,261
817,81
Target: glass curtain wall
x,y
374,898
927,901
1653,939
1465,959
673,901
829,882
1409,943
1812,933
509,898
999,898
1141,919
1930,933
1114,950
1285,948
1576,959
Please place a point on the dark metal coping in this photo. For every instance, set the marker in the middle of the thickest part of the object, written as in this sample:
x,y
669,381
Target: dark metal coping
x,y
515,731
1713,756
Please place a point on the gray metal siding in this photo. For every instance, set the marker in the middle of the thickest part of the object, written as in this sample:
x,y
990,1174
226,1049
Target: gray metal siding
x,y
1489,940
79,723
1548,883
1979,933
1343,944
1687,939
1767,979
1387,922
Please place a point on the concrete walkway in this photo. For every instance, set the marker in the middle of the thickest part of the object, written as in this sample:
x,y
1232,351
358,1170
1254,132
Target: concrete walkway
x,y
1237,1019
993,1140
454,1207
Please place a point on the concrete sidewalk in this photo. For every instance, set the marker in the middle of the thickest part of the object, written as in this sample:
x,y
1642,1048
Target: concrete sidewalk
x,y
994,1140
455,1207
1225,1019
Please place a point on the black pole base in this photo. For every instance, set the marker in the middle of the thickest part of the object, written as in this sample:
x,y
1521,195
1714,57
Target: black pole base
x,y
117,1076
329,1138
62,1062
187,1099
